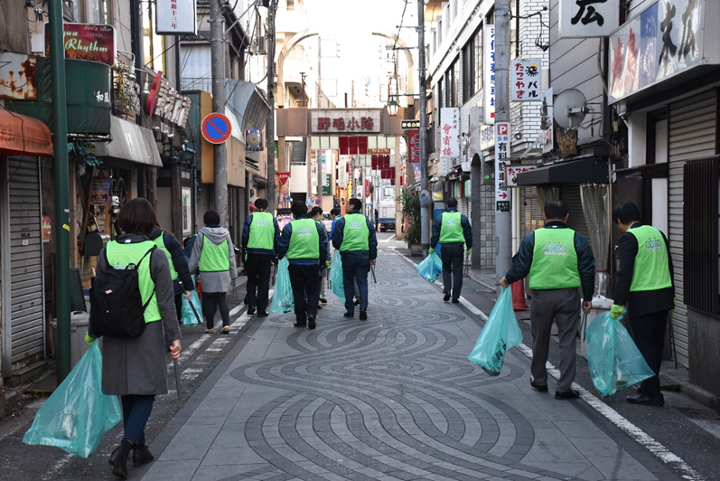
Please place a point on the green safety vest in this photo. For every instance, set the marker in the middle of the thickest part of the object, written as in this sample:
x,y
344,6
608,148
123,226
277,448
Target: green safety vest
x,y
214,257
160,243
304,240
119,256
262,231
451,231
652,269
356,234
555,261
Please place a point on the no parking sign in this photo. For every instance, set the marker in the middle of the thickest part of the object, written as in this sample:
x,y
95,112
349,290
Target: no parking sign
x,y
216,128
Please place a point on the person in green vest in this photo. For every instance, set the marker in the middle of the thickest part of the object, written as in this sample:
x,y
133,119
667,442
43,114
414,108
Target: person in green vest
x,y
559,262
354,236
260,235
136,368
316,214
452,229
214,256
645,284
179,271
305,243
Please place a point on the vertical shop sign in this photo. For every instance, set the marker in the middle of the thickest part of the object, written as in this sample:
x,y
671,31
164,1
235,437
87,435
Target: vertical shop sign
x,y
449,143
525,80
502,154
175,17
489,74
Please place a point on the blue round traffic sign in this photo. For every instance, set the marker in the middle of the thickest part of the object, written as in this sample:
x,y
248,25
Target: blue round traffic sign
x,y
216,128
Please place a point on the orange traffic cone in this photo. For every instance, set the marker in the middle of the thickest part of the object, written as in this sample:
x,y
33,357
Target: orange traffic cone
x,y
518,296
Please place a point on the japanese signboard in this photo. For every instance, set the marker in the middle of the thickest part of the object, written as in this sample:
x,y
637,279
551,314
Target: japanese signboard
x,y
175,17
414,145
342,177
502,155
487,137
525,80
166,102
410,124
546,136
488,74
588,18
283,177
253,140
85,41
664,40
512,171
345,121
449,143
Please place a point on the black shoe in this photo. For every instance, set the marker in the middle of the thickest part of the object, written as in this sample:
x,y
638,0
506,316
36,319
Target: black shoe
x,y
311,322
646,400
363,315
456,301
357,302
446,297
349,314
539,387
142,455
251,310
319,306
118,459
323,300
262,314
571,394
297,324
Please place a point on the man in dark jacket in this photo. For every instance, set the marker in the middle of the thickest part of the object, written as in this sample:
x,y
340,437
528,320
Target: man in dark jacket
x,y
354,236
645,285
305,243
260,235
558,261
451,229
179,270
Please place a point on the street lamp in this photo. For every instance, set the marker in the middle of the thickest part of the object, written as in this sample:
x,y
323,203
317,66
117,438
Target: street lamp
x,y
392,107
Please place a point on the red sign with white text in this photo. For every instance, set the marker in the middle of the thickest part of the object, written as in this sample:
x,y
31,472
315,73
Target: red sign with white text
x,y
283,177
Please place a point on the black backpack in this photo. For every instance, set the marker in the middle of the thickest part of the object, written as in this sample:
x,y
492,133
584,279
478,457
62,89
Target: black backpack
x,y
116,307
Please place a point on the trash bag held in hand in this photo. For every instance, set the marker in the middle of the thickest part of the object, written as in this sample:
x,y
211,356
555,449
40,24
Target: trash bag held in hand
x,y
336,276
431,267
188,315
614,360
77,414
500,333
283,301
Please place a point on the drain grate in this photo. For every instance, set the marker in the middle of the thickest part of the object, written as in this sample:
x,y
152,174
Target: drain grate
x,y
704,414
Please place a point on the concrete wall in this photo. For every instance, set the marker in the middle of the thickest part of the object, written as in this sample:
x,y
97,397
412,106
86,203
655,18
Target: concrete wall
x,y
704,337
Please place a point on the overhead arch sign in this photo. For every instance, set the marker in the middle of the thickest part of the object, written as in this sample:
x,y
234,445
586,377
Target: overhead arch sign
x,y
216,128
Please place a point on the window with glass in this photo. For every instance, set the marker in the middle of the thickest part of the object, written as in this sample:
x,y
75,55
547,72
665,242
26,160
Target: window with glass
x,y
153,44
92,11
472,65
291,4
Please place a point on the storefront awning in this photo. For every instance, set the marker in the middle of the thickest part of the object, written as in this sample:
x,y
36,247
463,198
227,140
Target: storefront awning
x,y
590,170
21,135
130,142
247,103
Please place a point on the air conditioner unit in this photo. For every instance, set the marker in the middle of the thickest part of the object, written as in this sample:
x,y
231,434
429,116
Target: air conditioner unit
x,y
260,46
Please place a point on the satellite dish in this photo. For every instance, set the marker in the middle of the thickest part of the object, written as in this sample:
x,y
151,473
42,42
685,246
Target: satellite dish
x,y
569,108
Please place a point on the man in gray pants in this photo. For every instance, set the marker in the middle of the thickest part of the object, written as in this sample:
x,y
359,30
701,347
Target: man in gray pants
x,y
558,261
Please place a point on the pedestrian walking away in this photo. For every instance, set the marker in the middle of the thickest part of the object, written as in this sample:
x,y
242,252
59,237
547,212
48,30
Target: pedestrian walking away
x,y
645,285
179,271
135,368
213,255
305,242
354,236
316,214
452,229
260,235
558,261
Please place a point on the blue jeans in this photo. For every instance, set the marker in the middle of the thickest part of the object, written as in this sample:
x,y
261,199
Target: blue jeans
x,y
355,270
136,412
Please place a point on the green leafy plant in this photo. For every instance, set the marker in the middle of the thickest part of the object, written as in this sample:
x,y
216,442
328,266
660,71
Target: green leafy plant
x,y
411,210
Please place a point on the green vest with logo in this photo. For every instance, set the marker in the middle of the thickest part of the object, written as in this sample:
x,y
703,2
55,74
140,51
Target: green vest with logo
x,y
160,243
214,257
652,271
451,231
119,256
555,261
356,234
262,231
304,240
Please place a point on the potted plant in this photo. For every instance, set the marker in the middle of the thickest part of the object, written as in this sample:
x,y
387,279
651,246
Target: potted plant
x,y
411,212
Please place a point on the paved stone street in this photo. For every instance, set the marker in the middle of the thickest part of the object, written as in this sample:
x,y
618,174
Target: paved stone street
x,y
393,397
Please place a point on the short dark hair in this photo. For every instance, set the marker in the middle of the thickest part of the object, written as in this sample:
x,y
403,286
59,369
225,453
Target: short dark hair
x,y
315,211
137,217
451,203
625,211
356,204
298,209
261,203
333,212
211,217
556,209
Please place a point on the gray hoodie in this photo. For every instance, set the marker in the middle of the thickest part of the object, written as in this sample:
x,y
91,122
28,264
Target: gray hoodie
x,y
213,281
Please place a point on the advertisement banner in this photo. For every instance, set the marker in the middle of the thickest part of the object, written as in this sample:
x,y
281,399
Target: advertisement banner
x,y
588,18
100,191
85,41
449,142
502,154
345,121
489,74
173,17
525,80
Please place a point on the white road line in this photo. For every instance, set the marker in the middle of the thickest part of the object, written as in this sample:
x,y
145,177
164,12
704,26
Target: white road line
x,y
640,437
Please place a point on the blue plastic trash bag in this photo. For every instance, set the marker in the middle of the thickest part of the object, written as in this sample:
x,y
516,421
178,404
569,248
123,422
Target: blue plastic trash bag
x,y
77,414
614,360
500,333
336,276
431,267
188,315
283,300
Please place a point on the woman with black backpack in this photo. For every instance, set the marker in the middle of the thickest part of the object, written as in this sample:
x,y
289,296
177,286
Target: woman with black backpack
x,y
134,365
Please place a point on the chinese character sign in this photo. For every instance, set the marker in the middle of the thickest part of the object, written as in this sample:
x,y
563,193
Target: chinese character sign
x,y
512,171
488,74
487,137
449,142
588,18
414,145
525,80
175,17
502,157
345,121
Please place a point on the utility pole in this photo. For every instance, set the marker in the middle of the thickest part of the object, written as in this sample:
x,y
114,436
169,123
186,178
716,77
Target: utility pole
x,y
503,220
270,128
217,51
318,93
424,210
62,212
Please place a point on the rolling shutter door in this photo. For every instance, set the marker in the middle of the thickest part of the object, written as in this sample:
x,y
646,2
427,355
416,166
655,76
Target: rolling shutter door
x,y
205,201
692,136
570,193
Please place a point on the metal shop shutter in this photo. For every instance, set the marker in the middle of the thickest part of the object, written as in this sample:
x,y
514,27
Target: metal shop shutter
x,y
26,259
692,136
570,193
205,202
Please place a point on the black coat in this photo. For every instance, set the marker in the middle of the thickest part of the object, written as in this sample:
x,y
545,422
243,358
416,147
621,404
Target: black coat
x,y
178,259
